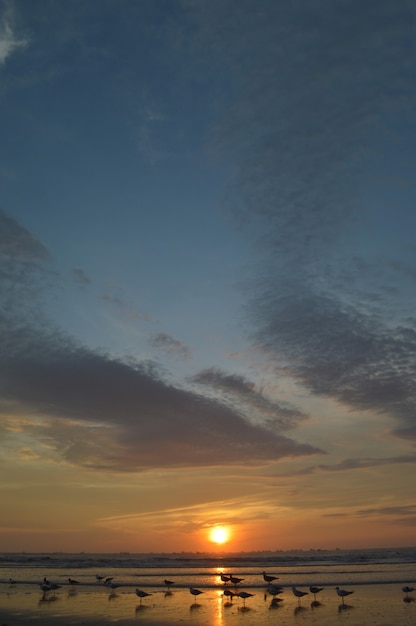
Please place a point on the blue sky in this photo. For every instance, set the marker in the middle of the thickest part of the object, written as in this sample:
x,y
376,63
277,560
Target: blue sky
x,y
207,263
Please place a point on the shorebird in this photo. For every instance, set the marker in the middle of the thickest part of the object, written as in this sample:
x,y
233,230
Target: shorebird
x,y
343,593
236,580
12,581
228,593
225,579
47,586
142,594
108,580
99,578
195,592
244,595
73,582
168,583
268,578
113,585
315,590
407,590
298,593
274,590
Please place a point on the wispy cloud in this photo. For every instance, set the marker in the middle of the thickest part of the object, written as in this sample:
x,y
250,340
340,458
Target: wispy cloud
x,y
9,40
403,515
173,347
355,464
81,276
322,86
98,412
237,388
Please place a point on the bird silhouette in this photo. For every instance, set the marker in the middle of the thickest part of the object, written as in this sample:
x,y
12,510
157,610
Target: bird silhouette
x,y
298,593
269,578
235,580
195,592
142,594
343,593
244,595
408,589
228,593
315,590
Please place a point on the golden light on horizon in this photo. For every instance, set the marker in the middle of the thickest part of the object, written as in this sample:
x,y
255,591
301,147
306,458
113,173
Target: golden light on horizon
x,y
219,535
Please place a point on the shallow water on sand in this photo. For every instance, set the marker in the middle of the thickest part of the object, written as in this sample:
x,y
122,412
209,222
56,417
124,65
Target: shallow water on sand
x,y
378,605
375,577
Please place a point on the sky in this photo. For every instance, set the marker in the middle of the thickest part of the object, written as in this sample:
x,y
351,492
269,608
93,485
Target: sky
x,y
207,274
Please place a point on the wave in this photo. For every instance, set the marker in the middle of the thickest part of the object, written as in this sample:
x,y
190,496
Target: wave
x,y
278,559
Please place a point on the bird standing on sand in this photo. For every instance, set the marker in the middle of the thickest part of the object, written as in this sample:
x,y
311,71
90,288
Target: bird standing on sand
x,y
195,592
99,578
298,593
236,580
268,578
48,586
407,590
142,594
274,590
168,583
343,593
73,582
244,595
225,579
315,590
228,593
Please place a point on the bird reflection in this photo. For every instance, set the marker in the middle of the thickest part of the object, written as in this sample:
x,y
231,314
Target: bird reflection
x,y
113,595
46,598
344,607
275,603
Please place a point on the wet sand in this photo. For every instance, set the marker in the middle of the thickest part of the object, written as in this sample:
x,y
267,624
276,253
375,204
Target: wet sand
x,y
375,605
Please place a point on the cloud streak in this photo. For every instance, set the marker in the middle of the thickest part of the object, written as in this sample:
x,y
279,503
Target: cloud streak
x,y
9,42
316,99
102,413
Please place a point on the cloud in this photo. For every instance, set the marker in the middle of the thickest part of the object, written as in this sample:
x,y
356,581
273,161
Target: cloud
x,y
99,412
124,308
353,464
337,351
9,42
403,515
81,276
171,346
237,388
324,89
18,243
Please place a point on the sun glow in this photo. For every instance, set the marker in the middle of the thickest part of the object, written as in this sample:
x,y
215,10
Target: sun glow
x,y
219,534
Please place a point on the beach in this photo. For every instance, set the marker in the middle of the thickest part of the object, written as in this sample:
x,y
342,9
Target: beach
x,y
378,605
374,578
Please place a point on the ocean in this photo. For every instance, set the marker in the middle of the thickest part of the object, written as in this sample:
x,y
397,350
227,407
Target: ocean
x,y
323,567
375,577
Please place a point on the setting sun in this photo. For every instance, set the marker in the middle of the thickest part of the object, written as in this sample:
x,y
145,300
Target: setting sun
x,y
219,534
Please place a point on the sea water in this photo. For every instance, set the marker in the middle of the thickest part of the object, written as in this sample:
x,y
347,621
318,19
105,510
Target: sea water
x,y
320,567
375,577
